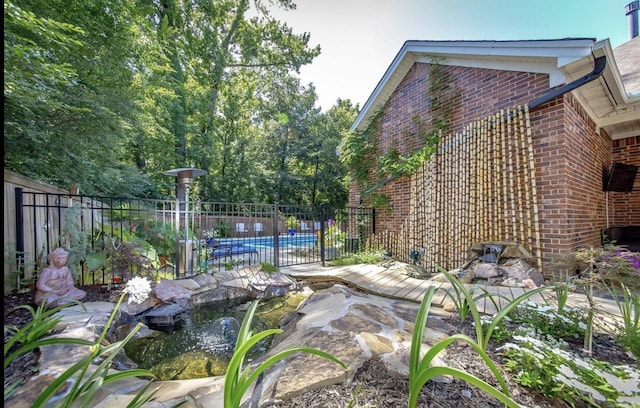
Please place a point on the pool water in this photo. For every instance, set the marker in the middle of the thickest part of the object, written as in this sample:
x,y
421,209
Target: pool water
x,y
298,240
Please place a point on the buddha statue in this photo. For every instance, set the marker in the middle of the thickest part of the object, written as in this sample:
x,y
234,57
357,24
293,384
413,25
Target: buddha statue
x,y
55,283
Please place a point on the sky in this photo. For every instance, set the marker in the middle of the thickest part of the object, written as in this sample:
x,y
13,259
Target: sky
x,y
360,38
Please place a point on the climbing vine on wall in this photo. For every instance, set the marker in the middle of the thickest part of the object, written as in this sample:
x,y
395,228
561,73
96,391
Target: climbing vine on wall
x,y
357,153
441,93
358,149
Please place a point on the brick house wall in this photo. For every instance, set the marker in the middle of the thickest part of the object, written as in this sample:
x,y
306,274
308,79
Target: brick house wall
x,y
570,155
570,158
474,93
624,208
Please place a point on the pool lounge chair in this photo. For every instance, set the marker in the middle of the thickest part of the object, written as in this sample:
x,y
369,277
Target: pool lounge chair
x,y
304,227
240,228
228,249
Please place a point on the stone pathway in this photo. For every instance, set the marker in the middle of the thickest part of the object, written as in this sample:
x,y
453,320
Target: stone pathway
x,y
351,325
394,283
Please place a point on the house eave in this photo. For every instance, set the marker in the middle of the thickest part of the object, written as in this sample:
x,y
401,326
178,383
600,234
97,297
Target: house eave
x,y
605,100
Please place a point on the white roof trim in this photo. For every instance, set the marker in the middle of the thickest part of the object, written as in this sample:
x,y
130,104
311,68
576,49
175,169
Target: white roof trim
x,y
611,73
537,65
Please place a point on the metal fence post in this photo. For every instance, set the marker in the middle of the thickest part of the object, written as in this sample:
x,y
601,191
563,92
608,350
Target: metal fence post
x,y
276,234
323,217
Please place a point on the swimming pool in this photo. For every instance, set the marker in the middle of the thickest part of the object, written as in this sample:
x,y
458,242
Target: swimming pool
x,y
298,240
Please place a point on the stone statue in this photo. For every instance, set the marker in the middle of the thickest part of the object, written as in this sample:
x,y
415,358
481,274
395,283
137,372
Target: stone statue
x,y
55,284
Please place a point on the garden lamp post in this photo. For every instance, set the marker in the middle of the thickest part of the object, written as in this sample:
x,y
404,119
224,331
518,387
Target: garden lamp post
x,y
184,177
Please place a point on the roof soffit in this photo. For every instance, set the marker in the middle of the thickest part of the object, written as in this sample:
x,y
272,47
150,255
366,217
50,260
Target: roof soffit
x,y
605,99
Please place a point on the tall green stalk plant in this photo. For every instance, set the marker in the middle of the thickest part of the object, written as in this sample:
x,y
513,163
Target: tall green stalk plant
x,y
30,336
483,337
238,378
420,370
629,307
462,304
562,294
83,390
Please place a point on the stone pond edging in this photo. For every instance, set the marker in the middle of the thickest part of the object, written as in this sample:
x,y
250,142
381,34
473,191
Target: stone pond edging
x,y
349,324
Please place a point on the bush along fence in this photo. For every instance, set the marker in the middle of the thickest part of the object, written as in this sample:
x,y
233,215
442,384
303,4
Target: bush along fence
x,y
110,240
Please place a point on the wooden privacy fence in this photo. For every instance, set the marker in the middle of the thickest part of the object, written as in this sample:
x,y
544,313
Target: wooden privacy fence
x,y
480,186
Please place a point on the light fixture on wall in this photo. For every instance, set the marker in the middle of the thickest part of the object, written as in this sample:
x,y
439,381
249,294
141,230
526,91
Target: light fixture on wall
x,y
414,256
620,178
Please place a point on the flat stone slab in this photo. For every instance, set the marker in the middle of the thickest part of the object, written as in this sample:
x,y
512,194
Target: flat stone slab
x,y
165,316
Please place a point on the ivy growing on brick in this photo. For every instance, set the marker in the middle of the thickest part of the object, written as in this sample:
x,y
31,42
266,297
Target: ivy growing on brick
x,y
359,149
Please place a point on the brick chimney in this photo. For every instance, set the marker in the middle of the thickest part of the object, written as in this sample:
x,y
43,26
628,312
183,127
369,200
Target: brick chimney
x,y
632,12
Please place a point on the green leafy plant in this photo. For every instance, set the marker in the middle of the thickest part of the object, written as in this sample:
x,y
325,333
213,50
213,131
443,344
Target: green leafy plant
x,y
75,238
232,263
22,273
334,237
266,267
160,235
629,306
562,291
558,374
420,370
86,384
120,252
30,336
483,332
224,229
238,378
560,325
599,267
360,258
463,304
291,222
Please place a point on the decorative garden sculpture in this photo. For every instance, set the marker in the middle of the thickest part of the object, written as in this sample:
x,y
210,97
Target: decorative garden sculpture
x,y
55,284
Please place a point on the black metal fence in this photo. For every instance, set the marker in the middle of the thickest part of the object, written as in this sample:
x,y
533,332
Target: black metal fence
x,y
110,239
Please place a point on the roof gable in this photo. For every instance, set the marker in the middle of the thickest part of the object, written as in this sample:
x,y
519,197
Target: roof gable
x,y
564,60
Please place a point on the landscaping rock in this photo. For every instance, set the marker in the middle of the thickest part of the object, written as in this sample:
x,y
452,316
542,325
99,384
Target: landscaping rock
x,y
352,326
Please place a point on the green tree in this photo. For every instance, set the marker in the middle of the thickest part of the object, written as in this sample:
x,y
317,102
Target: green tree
x,y
76,120
132,89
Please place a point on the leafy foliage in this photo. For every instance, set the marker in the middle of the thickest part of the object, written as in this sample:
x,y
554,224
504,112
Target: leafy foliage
x,y
421,370
137,88
239,378
483,332
629,305
359,147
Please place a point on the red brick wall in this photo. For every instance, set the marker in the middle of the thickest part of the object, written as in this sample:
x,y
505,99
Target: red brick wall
x,y
474,93
570,156
624,208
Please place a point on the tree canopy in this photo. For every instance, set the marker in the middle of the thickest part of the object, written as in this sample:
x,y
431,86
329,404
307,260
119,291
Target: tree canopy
x,y
108,94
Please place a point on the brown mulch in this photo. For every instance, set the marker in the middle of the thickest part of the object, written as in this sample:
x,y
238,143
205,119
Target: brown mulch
x,y
372,385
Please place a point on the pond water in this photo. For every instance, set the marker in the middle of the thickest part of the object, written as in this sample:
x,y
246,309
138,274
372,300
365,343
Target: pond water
x,y
202,345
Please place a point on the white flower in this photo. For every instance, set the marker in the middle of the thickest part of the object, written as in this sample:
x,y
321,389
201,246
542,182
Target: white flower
x,y
138,289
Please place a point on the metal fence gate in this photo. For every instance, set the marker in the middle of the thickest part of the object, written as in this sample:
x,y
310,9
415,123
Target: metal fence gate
x,y
110,240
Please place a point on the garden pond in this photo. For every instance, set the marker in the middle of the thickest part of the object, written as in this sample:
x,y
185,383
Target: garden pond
x,y
203,343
